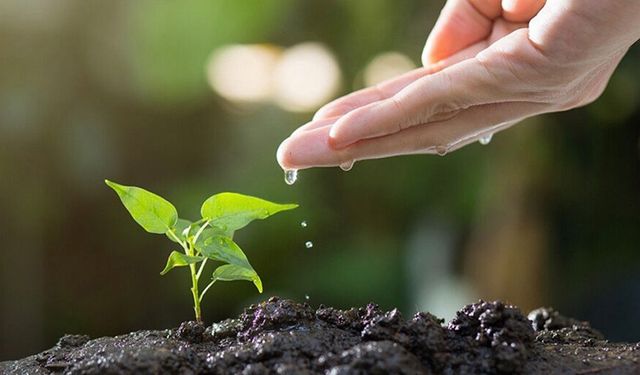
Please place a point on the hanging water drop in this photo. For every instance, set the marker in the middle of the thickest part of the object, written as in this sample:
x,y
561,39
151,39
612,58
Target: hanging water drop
x,y
290,176
308,244
347,165
484,140
303,224
442,150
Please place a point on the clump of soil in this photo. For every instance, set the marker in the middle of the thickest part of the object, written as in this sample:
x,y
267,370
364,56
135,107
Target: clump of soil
x,y
284,337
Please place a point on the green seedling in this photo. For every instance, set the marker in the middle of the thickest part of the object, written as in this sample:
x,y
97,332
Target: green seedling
x,y
208,239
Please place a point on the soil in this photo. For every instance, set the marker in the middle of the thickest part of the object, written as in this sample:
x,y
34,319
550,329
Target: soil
x,y
284,337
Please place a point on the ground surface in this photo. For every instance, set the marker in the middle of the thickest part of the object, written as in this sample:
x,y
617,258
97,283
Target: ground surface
x,y
284,337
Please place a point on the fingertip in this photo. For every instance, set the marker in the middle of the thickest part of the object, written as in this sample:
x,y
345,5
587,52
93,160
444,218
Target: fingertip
x,y
331,110
282,155
337,136
322,113
521,10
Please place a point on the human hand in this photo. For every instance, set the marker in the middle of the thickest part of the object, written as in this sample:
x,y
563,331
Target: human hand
x,y
487,65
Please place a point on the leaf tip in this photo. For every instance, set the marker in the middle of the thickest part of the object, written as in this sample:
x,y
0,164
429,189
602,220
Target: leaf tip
x,y
258,283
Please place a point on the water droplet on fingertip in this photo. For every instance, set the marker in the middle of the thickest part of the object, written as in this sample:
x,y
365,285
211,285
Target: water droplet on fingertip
x,y
308,244
290,176
484,140
347,165
442,150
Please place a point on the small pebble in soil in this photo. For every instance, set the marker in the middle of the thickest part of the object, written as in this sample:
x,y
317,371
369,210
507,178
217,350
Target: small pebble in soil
x,y
191,331
308,244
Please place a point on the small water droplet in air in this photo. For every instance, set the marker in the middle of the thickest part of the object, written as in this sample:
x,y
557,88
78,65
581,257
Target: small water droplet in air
x,y
290,176
442,150
484,140
347,165
308,244
303,224
306,297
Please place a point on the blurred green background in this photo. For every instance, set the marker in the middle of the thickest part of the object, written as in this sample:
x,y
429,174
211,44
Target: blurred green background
x,y
147,93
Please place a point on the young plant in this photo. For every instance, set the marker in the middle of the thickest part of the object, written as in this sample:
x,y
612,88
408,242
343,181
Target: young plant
x,y
208,239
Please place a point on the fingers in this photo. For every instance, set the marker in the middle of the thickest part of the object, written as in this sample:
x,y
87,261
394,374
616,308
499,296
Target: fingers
x,y
461,24
391,87
369,94
432,98
521,10
313,148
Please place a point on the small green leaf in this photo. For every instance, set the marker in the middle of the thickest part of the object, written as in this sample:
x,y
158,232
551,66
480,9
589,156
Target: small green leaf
x,y
232,211
180,229
177,259
223,249
230,272
154,213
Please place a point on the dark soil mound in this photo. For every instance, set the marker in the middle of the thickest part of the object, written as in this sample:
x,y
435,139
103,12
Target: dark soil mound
x,y
284,337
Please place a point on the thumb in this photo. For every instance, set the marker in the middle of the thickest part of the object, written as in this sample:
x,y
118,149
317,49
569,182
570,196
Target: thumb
x,y
461,24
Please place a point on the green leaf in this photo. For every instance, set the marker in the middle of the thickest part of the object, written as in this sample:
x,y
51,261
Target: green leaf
x,y
230,272
223,249
177,259
232,211
154,213
212,232
182,230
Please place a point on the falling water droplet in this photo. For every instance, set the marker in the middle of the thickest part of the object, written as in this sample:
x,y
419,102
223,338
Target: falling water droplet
x,y
308,244
442,150
484,140
306,297
347,165
290,176
303,224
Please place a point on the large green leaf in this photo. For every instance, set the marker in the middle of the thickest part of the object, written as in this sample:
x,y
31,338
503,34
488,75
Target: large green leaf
x,y
177,259
154,213
230,272
232,211
223,249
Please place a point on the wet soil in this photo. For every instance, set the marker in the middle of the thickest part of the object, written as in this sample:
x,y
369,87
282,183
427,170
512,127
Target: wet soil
x,y
284,337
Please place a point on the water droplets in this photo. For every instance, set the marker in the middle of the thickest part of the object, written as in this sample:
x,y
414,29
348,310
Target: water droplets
x,y
485,139
290,176
306,297
442,150
308,244
304,224
347,165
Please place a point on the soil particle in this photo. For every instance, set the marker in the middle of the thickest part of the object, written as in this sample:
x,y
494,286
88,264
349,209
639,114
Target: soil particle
x,y
191,331
280,336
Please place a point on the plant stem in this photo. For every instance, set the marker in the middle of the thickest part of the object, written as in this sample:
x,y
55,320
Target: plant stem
x,y
188,249
204,262
194,288
206,288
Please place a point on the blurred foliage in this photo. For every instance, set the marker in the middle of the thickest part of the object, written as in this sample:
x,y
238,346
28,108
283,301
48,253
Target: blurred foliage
x,y
92,90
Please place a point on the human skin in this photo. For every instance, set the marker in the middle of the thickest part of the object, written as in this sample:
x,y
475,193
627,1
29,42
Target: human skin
x,y
487,65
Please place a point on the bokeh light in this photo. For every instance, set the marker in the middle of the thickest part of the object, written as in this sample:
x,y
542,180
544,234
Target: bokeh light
x,y
385,66
243,73
306,77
